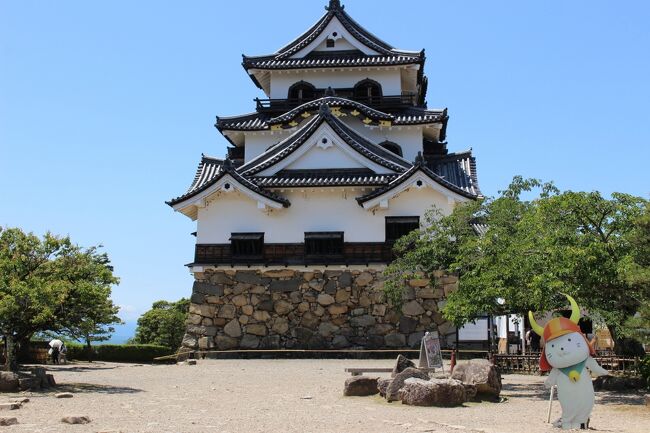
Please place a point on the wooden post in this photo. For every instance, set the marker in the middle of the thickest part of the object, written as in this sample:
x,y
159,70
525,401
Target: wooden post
x,y
452,362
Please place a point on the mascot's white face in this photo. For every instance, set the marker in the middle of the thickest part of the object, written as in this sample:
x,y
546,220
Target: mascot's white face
x,y
566,350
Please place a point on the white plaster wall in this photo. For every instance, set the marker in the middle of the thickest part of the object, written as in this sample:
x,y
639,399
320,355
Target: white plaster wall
x,y
408,137
390,80
342,35
257,142
329,210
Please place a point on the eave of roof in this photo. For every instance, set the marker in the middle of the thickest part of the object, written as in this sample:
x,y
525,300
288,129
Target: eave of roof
x,y
287,146
203,181
263,122
418,167
323,178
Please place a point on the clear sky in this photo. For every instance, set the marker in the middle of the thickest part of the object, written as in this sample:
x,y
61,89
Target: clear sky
x,y
106,107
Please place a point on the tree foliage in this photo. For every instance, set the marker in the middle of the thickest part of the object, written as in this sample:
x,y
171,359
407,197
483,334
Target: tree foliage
x,y
532,250
51,284
164,324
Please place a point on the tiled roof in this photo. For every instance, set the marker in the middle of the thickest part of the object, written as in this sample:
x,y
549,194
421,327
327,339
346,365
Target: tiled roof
x,y
272,62
211,170
419,166
262,121
323,178
287,146
245,122
458,169
330,101
335,9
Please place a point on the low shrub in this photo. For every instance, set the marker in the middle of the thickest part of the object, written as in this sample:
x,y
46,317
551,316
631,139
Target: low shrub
x,y
118,352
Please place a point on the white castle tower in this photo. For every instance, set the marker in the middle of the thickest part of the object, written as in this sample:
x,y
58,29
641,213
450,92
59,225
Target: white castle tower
x,y
343,158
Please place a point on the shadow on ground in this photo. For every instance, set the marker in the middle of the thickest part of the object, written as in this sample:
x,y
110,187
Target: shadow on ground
x,y
619,398
79,388
534,391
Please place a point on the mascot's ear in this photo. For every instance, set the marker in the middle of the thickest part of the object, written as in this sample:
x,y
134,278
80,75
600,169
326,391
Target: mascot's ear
x,y
543,362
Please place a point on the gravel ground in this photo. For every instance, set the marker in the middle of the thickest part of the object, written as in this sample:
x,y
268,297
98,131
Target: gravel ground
x,y
282,396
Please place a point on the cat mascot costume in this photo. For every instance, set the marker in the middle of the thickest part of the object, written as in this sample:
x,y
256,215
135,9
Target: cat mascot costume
x,y
567,355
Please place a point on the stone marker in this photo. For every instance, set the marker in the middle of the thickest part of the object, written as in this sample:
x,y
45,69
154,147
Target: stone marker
x,y
10,406
64,395
75,420
360,386
6,421
401,364
482,373
434,392
392,391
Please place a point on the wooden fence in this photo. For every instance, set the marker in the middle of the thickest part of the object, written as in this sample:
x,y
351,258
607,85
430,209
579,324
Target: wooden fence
x,y
530,363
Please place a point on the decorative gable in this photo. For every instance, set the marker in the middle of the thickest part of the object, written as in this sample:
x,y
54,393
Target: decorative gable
x,y
325,149
335,37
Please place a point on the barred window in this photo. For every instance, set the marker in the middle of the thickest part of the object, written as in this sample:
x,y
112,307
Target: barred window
x,y
246,244
396,227
323,243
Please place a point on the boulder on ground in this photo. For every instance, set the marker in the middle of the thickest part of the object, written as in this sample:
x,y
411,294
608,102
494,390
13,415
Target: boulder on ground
x,y
360,386
75,420
401,364
8,381
7,421
435,392
382,385
392,391
482,373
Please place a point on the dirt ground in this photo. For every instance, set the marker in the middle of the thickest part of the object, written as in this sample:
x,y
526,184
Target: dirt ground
x,y
282,396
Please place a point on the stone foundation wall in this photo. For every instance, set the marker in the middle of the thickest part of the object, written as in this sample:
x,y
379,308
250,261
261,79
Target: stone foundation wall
x,y
284,308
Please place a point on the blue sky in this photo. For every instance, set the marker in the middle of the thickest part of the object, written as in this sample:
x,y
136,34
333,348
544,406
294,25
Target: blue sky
x,y
106,107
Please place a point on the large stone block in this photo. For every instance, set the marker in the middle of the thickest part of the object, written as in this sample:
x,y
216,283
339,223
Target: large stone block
x,y
360,386
284,286
363,279
227,311
8,381
434,392
224,342
207,288
482,373
256,329
362,321
282,307
392,392
325,299
249,342
395,340
232,329
412,308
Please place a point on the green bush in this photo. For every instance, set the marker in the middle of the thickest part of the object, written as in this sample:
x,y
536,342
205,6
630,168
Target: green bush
x,y
118,352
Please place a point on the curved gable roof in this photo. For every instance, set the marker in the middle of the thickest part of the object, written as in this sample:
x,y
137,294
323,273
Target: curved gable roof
x,y
287,146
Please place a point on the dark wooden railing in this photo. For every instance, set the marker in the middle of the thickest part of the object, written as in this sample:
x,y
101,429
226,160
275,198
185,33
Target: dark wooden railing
x,y
379,102
530,363
354,253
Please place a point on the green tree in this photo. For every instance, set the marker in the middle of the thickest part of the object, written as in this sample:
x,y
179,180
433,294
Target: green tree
x,y
164,324
42,283
531,250
89,311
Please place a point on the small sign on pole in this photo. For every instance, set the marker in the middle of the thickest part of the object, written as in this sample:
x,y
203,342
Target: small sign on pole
x,y
430,354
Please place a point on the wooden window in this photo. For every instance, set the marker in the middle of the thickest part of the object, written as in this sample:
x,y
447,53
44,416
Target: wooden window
x,y
367,91
302,90
323,243
396,227
246,244
331,43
